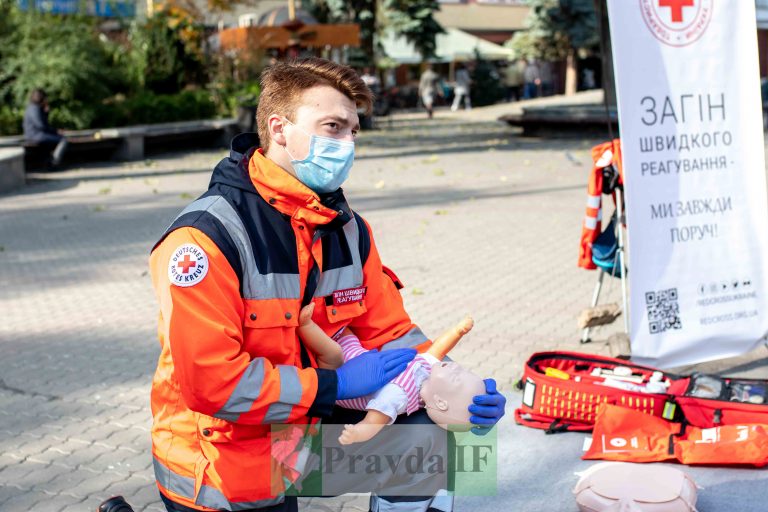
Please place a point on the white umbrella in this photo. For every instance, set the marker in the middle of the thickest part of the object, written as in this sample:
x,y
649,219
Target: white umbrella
x,y
454,45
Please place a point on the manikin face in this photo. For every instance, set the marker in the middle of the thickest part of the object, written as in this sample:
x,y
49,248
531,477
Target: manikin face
x,y
448,392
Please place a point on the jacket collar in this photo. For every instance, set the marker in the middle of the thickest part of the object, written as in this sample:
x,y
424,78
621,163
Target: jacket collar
x,y
279,188
291,197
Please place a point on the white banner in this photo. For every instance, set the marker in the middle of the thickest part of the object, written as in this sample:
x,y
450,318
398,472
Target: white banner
x,y
695,181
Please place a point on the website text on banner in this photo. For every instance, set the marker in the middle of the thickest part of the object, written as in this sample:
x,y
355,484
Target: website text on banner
x,y
692,140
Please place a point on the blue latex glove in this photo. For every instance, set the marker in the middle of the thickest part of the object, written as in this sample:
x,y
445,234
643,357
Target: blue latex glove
x,y
369,372
487,409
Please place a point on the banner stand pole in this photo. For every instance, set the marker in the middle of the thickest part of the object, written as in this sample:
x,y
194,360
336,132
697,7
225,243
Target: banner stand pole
x,y
622,267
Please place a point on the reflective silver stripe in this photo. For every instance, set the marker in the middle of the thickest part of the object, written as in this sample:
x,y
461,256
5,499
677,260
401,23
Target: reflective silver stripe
x,y
590,222
290,395
213,498
593,201
246,392
337,279
351,231
209,496
350,276
181,485
255,284
408,340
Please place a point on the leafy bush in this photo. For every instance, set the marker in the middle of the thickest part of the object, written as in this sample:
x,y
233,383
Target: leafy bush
x,y
152,71
486,83
147,108
163,53
230,97
10,121
62,55
234,79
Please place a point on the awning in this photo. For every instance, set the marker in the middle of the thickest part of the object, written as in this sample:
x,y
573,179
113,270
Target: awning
x,y
316,36
454,45
482,15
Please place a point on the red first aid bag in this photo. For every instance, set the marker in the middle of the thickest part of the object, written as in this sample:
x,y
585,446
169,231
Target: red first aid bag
x,y
710,400
627,435
562,390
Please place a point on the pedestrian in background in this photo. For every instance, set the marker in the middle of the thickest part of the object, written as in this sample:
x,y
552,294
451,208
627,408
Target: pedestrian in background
x,y
513,80
428,88
532,78
38,131
461,90
371,80
547,79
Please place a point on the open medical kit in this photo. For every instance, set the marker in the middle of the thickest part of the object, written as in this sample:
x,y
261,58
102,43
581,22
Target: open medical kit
x,y
562,390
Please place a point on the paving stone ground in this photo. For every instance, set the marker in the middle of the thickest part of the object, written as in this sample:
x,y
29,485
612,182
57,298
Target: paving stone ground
x,y
473,217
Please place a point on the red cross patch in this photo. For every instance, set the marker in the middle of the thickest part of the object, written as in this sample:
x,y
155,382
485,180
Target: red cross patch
x,y
188,265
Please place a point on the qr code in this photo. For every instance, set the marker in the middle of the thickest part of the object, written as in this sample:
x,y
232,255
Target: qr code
x,y
663,310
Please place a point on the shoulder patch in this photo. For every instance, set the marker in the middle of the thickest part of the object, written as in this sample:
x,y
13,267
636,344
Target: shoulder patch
x,y
188,265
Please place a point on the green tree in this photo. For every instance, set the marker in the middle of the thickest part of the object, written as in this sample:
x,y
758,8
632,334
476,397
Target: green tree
x,y
63,55
412,19
165,53
558,30
486,85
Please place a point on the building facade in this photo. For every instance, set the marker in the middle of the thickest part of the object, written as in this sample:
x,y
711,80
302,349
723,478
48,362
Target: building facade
x,y
492,20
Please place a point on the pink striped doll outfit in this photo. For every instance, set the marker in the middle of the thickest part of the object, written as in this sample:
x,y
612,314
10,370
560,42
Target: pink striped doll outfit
x,y
400,395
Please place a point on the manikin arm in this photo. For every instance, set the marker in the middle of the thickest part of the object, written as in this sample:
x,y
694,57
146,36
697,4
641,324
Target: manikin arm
x,y
328,352
446,341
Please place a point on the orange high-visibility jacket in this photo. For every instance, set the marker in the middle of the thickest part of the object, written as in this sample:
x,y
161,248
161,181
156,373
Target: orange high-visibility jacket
x,y
603,155
230,274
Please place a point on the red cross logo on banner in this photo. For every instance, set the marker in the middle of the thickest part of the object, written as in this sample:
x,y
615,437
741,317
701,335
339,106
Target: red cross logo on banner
x,y
676,22
185,264
677,8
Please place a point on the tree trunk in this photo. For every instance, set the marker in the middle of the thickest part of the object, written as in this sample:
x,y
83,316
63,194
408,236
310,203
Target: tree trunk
x,y
570,73
608,83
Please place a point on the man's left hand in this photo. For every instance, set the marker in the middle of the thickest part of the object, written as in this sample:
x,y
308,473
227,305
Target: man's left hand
x,y
487,409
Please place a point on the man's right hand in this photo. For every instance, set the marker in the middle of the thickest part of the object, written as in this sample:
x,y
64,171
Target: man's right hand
x,y
370,371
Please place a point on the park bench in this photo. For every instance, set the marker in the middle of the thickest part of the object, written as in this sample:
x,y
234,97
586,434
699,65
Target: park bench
x,y
562,120
128,142
11,169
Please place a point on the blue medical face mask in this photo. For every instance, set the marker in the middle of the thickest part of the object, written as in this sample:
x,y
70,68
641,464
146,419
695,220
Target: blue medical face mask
x,y
327,164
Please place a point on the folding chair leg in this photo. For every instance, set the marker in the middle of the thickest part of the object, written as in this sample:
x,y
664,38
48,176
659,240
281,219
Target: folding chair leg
x,y
595,297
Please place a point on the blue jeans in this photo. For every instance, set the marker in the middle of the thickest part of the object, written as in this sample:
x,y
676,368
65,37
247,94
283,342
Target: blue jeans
x,y
531,90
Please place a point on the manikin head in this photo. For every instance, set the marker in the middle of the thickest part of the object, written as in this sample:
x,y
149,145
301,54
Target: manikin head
x,y
448,392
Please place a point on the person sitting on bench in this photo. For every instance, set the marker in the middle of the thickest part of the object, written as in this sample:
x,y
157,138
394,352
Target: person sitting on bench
x,y
39,132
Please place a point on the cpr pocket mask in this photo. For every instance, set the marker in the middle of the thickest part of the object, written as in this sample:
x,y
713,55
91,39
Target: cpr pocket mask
x,y
624,487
